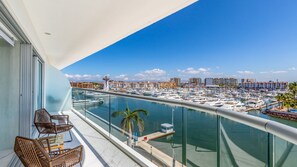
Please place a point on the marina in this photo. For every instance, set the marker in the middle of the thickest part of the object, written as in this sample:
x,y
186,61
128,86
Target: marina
x,y
239,100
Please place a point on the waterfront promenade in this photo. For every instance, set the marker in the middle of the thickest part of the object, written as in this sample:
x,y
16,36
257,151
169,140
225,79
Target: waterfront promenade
x,y
156,153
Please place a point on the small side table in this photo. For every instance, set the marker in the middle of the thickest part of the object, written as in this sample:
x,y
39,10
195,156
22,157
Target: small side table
x,y
52,143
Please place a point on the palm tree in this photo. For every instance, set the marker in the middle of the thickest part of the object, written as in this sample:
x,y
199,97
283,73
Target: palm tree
x,y
288,101
293,88
280,99
130,118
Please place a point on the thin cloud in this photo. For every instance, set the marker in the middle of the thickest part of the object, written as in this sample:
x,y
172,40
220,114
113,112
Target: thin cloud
x,y
84,77
274,72
292,69
154,74
245,72
122,77
278,72
192,70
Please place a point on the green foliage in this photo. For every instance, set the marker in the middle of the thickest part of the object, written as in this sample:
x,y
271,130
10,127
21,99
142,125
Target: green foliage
x,y
130,119
289,99
293,88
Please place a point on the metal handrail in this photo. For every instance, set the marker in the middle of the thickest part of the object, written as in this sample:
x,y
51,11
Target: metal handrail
x,y
278,129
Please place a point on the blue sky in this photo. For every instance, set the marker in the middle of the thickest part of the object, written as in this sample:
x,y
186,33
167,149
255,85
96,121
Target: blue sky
x,y
211,38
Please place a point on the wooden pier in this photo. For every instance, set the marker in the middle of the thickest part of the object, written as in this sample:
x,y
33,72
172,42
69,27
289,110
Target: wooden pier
x,y
155,135
156,153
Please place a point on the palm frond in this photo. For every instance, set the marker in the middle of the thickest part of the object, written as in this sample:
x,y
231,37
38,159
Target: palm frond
x,y
128,111
118,113
145,112
140,124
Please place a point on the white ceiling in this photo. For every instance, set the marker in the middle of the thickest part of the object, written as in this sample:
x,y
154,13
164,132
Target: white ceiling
x,y
79,28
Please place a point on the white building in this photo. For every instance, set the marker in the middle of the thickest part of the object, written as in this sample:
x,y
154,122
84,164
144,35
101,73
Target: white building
x,y
208,81
264,85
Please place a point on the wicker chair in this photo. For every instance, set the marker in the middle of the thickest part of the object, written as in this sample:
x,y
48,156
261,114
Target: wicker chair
x,y
51,124
32,154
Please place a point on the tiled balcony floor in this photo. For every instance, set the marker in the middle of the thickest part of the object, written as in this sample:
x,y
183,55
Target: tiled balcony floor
x,y
99,151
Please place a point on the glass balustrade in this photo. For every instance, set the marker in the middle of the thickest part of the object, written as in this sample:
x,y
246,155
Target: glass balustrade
x,y
242,145
197,138
285,153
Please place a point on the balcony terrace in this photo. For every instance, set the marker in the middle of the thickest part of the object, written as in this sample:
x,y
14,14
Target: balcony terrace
x,y
37,39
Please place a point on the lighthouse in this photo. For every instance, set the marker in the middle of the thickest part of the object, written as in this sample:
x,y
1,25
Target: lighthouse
x,y
106,85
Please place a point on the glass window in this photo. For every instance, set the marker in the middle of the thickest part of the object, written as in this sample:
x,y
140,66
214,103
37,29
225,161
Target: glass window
x,y
9,98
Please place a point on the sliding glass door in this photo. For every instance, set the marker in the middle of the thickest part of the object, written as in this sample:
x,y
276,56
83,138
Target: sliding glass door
x,y
38,87
38,83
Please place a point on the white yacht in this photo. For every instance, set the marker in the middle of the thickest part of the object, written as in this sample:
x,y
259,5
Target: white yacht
x,y
218,104
227,107
240,107
200,100
212,101
173,96
255,103
148,93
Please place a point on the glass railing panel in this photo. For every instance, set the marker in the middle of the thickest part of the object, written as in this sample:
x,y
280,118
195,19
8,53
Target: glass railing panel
x,y
171,145
118,104
161,148
285,153
78,100
242,145
201,139
97,108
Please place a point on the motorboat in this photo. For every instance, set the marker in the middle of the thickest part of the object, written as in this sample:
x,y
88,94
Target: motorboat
x,y
255,103
240,107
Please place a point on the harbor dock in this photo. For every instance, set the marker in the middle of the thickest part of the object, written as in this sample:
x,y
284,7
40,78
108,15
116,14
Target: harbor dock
x,y
142,143
155,135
